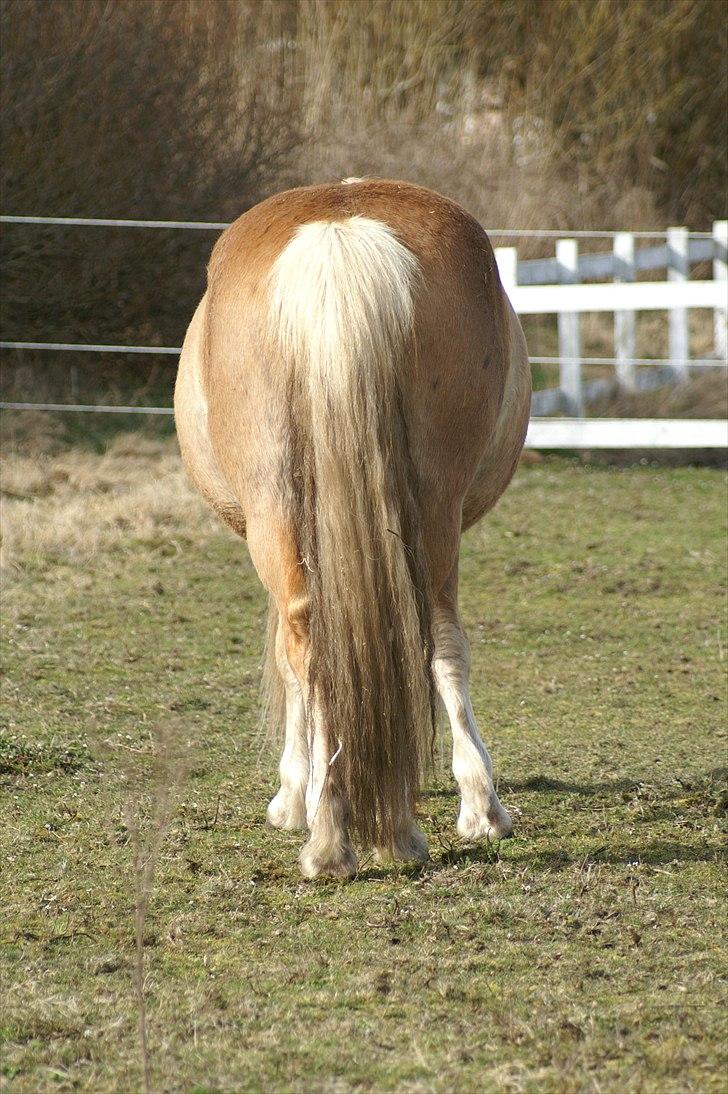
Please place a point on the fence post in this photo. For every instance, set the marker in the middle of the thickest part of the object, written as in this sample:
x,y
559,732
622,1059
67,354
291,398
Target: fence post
x,y
625,339
507,260
678,269
720,273
567,258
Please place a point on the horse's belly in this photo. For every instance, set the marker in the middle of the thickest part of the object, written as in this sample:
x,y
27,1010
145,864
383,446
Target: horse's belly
x,y
500,459
191,420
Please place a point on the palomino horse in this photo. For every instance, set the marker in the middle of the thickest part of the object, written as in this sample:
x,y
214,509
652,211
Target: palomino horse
x,y
353,392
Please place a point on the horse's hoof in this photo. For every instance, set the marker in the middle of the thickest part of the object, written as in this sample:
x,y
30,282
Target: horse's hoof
x,y
494,825
320,861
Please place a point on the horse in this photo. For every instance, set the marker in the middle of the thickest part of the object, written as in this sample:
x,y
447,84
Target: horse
x,y
353,393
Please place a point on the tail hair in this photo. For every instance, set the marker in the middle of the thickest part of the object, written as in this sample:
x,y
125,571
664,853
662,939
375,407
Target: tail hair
x,y
342,308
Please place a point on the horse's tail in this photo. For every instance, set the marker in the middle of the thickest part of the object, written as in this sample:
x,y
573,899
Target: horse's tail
x,y
342,304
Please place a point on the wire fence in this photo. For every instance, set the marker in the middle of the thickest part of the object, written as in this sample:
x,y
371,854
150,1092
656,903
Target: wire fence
x,y
88,408
541,274
85,347
216,226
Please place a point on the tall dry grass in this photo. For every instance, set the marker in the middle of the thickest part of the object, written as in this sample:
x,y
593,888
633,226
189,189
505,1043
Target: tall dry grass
x,y
147,814
71,506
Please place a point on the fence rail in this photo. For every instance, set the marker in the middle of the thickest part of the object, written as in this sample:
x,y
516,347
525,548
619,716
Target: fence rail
x,y
549,433
567,285
544,271
627,433
87,347
218,225
555,286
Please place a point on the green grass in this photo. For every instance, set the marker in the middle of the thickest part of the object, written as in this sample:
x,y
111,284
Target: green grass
x,y
584,954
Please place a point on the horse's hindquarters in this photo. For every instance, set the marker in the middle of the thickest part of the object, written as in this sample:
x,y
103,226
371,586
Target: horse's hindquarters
x,y
352,379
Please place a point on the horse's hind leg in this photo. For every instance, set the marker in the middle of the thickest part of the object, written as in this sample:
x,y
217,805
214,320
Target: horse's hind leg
x,y
275,556
481,813
329,849
288,807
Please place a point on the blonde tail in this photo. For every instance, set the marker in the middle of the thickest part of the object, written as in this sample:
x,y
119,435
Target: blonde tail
x,y
342,310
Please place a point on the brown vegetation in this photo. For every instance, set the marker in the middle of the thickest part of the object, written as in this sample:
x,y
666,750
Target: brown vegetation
x,y
69,505
572,113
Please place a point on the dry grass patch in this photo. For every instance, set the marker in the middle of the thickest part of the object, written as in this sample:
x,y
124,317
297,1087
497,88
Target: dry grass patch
x,y
702,396
74,504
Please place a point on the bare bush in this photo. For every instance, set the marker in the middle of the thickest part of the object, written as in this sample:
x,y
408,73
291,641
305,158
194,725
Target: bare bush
x,y
125,109
631,94
571,113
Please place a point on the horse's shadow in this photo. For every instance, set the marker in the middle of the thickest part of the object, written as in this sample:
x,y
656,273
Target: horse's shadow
x,y
714,779
545,783
657,853
708,792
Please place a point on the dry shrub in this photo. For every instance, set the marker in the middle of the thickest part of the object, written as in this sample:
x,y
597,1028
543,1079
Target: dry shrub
x,y
566,114
571,113
703,395
127,110
33,433
631,94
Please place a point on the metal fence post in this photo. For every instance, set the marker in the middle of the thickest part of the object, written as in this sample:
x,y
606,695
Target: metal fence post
x,y
720,273
625,338
678,269
567,258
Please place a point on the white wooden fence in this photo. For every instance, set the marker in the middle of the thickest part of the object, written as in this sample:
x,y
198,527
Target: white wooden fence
x,y
571,284
567,285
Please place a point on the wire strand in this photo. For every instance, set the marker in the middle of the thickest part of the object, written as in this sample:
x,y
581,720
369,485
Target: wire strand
x,y
216,226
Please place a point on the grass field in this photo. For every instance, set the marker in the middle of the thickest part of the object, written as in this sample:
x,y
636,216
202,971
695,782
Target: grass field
x,y
583,955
